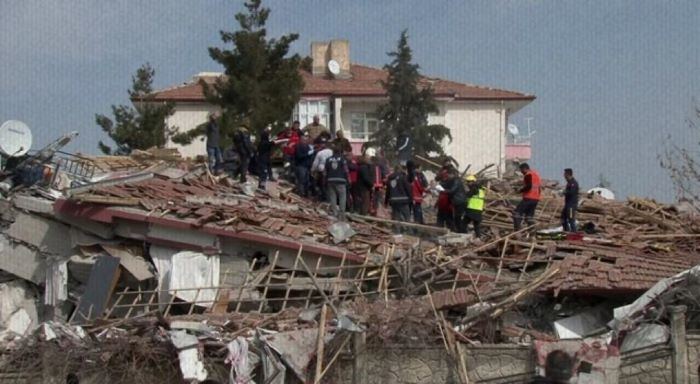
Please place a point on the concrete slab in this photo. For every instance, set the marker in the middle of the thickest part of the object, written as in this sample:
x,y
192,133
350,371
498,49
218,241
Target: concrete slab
x,y
48,235
22,261
33,204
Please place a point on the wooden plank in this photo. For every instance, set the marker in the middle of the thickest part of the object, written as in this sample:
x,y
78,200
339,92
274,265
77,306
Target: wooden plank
x,y
103,279
320,344
138,267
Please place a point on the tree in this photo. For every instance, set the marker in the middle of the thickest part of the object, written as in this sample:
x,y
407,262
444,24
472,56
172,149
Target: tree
x,y
261,85
406,112
683,164
140,127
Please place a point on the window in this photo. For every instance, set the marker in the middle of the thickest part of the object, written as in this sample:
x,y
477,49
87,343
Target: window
x,y
306,109
363,125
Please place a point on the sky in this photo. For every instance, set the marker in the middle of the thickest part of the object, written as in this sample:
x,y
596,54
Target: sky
x,y
613,78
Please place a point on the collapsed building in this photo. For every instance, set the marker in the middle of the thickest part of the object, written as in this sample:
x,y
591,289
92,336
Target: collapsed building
x,y
149,269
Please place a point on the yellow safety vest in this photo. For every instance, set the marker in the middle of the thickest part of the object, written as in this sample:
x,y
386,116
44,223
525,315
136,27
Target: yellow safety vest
x,y
476,202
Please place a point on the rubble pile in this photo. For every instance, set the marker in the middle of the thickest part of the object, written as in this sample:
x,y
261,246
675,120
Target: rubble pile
x,y
156,268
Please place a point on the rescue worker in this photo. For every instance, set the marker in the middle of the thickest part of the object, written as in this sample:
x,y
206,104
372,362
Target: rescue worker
x,y
454,188
288,139
364,185
398,195
530,197
445,213
418,186
568,214
341,142
353,175
214,154
315,129
336,181
245,150
303,157
476,194
263,157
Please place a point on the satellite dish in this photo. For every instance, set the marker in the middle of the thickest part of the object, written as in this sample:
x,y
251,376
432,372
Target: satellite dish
x,y
15,138
513,129
334,67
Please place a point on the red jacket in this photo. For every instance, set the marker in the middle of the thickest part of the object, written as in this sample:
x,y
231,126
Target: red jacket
x,y
293,137
443,202
354,169
418,188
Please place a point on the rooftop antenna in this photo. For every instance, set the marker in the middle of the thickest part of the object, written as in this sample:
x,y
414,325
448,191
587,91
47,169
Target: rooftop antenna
x,y
529,132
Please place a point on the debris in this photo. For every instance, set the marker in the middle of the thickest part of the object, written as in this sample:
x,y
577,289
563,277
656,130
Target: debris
x,y
103,280
238,358
134,264
580,325
46,235
190,358
22,261
644,336
341,231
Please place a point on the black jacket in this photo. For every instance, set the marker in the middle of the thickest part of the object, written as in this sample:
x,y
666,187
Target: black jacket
x,y
303,157
265,145
241,141
336,168
398,189
455,189
365,176
571,193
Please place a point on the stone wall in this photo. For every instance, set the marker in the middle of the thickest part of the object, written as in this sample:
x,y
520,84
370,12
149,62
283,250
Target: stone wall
x,y
503,363
693,358
647,366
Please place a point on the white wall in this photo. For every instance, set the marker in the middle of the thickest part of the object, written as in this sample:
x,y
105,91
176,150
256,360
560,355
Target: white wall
x,y
478,134
186,118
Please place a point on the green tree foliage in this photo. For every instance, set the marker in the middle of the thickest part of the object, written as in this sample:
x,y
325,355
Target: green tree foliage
x,y
406,112
140,127
261,85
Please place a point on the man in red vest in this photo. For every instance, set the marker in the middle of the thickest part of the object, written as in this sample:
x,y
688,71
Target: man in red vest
x,y
531,196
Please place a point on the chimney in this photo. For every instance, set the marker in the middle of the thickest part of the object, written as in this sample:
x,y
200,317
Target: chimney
x,y
322,52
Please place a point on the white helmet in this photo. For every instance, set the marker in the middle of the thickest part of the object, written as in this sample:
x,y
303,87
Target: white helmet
x,y
371,152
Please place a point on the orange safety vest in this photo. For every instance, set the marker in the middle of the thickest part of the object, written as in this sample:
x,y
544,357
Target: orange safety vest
x,y
534,192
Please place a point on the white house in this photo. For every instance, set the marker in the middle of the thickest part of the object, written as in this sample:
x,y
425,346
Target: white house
x,y
346,97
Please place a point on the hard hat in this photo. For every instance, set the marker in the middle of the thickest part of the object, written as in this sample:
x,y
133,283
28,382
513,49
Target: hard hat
x,y
471,178
371,152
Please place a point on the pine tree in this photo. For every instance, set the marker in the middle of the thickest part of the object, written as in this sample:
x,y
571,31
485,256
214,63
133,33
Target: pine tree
x,y
261,85
140,127
406,112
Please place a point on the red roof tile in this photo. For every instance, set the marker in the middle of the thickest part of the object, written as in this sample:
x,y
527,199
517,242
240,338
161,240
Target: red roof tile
x,y
365,81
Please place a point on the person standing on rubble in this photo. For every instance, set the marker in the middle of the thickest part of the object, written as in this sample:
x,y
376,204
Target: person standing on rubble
x,y
342,142
568,214
445,213
531,196
354,174
418,186
263,157
336,181
476,195
398,195
323,152
214,155
364,185
245,150
315,129
303,156
454,188
292,137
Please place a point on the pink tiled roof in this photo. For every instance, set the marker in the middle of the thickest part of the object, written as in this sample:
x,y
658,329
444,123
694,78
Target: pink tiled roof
x,y
365,81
